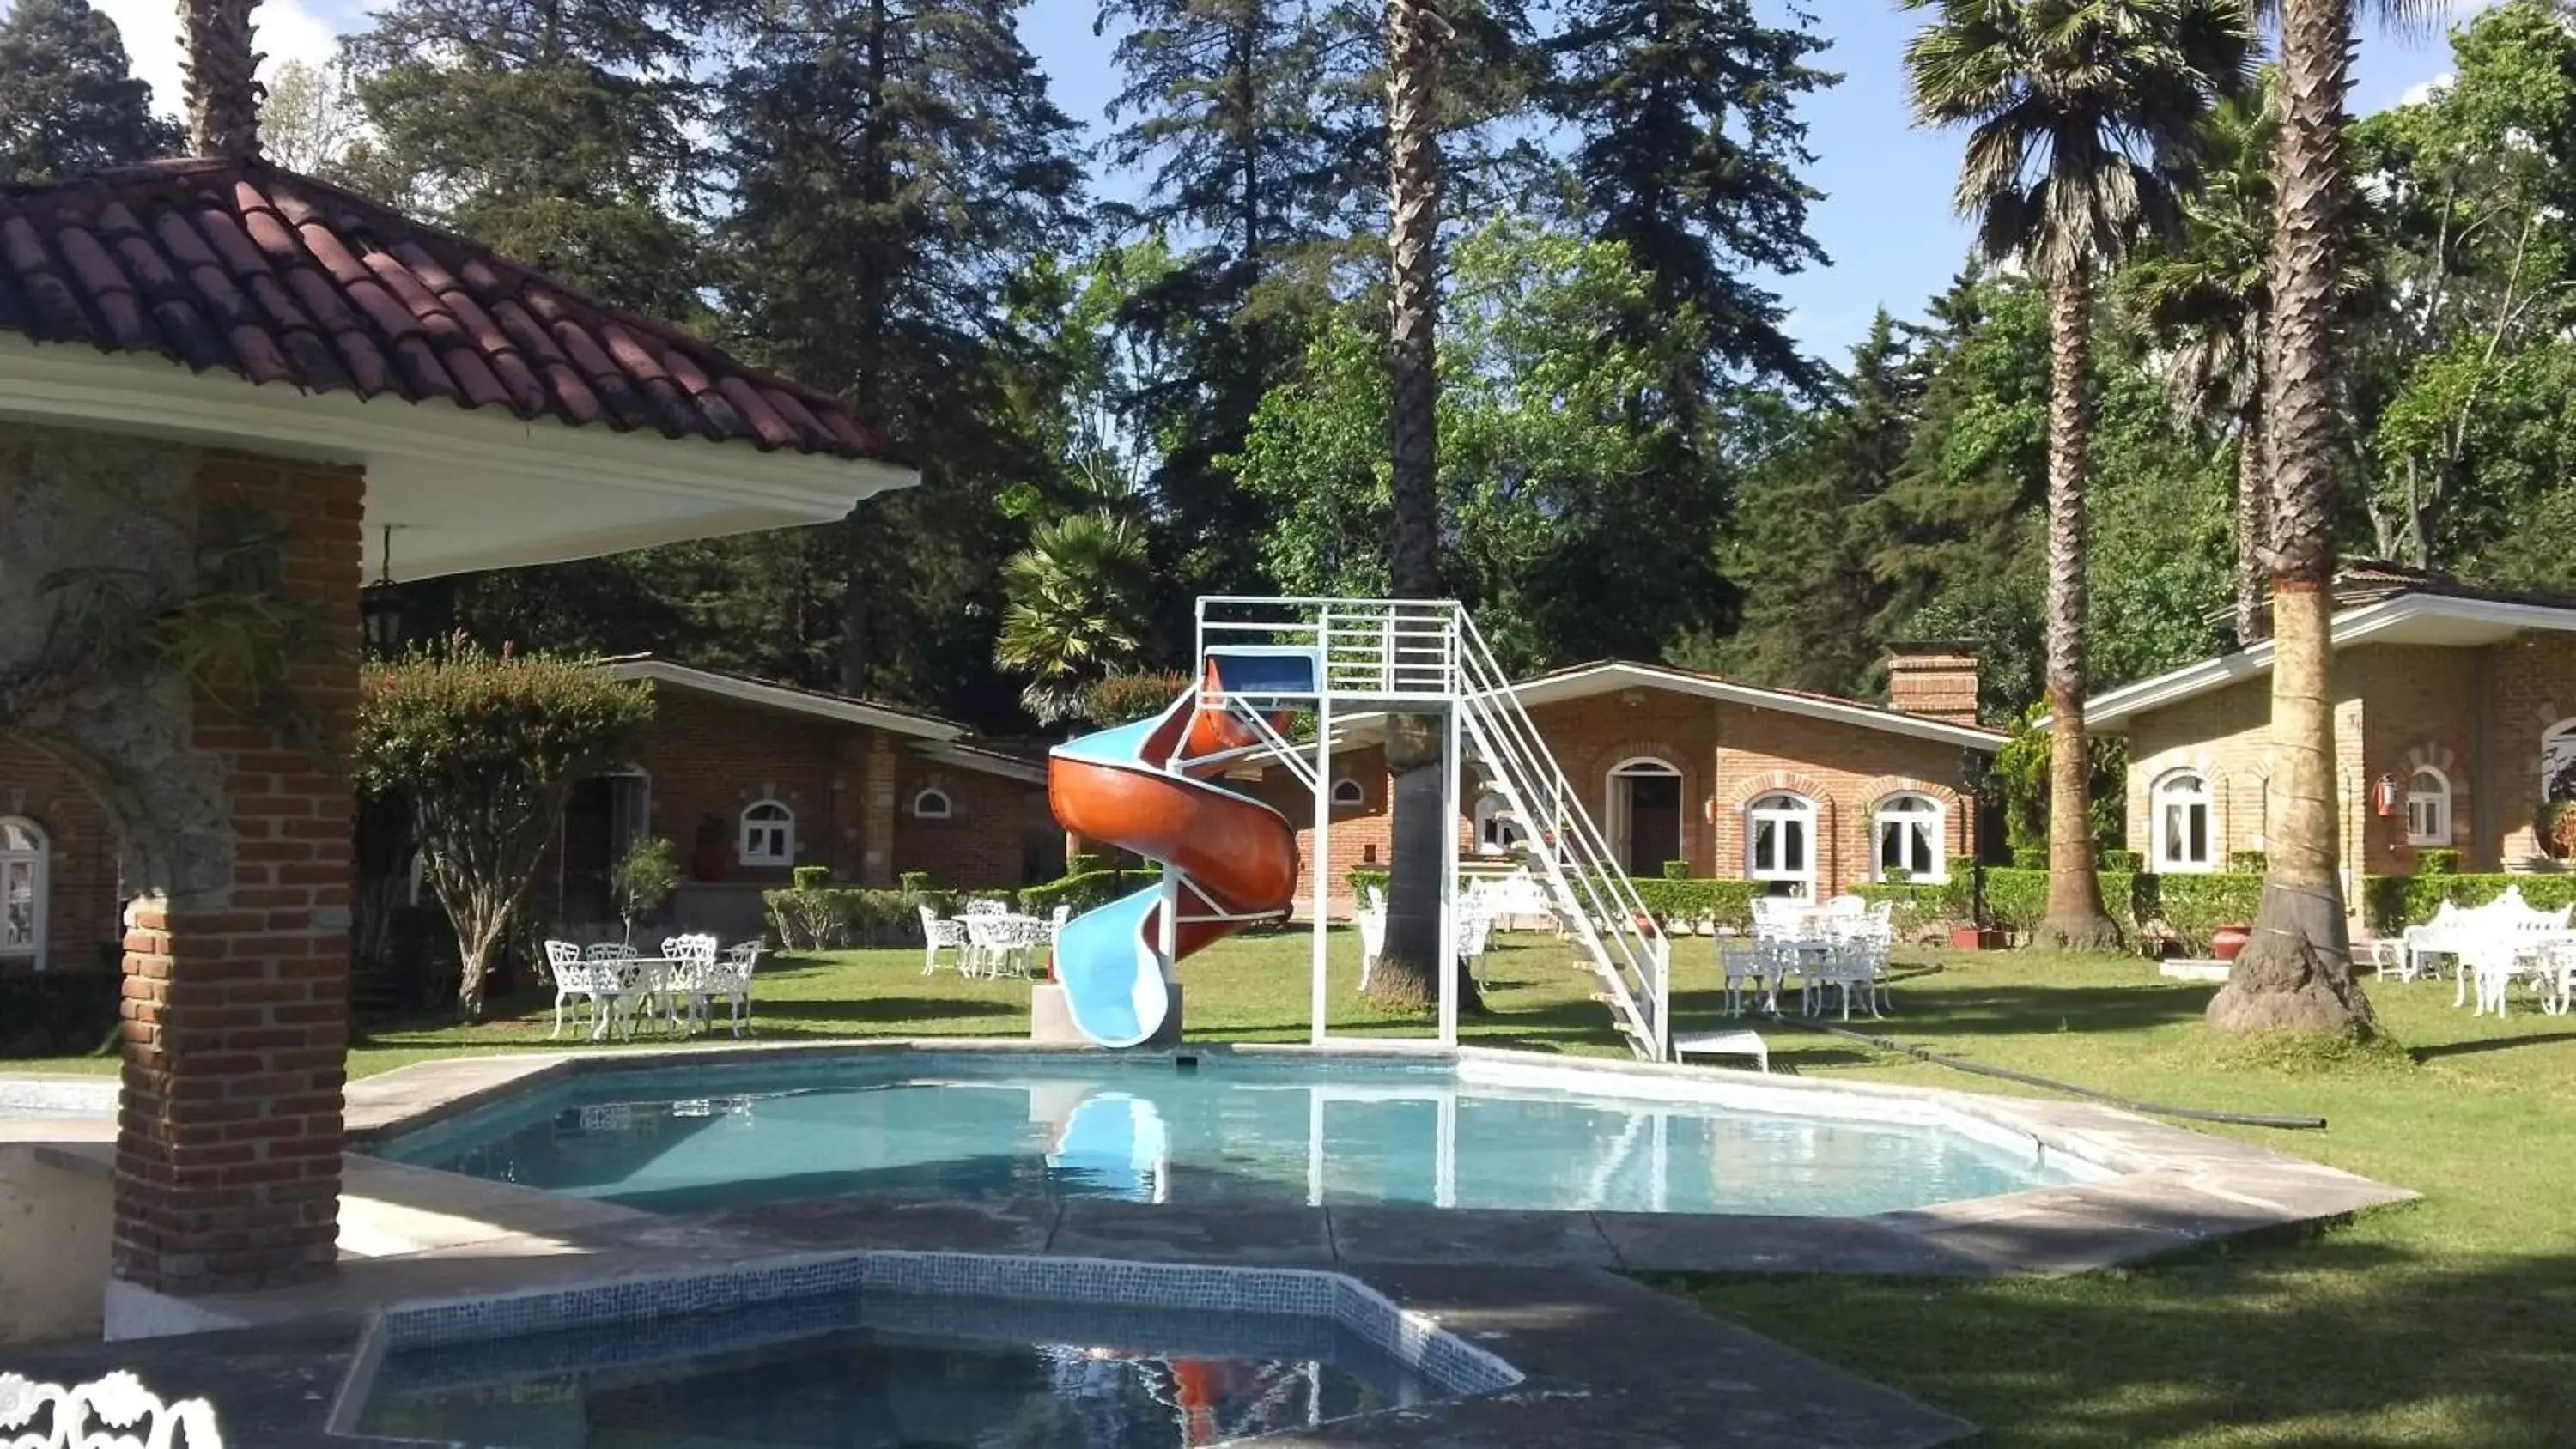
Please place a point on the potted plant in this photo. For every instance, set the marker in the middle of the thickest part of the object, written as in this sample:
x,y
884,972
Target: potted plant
x,y
2227,941
2556,827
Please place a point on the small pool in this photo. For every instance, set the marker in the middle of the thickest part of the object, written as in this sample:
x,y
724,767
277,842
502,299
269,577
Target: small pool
x,y
1221,1128
905,1350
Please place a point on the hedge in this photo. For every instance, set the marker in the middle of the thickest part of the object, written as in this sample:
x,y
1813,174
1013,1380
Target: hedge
x,y
1088,890
2193,907
61,1011
2391,903
840,917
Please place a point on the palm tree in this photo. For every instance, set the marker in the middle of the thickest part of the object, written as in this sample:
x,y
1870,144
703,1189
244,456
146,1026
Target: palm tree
x,y
1074,609
1415,33
2296,973
2209,306
2085,120
222,90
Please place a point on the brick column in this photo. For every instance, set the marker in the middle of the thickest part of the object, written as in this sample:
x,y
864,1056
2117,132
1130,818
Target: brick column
x,y
236,997
876,859
850,811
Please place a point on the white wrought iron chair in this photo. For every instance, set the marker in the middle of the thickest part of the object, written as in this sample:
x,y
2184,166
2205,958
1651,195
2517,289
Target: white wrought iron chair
x,y
1372,924
575,982
990,940
937,936
1055,935
728,977
1741,965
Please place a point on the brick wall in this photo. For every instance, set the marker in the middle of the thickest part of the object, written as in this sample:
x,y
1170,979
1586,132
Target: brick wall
x,y
2417,711
1937,681
996,827
2534,694
2225,737
713,756
236,1000
1727,754
82,912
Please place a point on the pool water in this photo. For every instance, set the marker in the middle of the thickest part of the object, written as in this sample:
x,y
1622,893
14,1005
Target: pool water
x,y
1230,1130
891,1372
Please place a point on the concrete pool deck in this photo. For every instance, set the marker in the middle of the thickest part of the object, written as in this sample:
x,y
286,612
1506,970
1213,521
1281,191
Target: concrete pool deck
x,y
1609,1362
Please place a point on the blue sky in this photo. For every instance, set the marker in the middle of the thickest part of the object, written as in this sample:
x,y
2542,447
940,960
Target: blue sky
x,y
1885,220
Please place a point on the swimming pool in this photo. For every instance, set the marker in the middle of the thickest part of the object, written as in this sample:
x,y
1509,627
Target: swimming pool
x,y
1222,1128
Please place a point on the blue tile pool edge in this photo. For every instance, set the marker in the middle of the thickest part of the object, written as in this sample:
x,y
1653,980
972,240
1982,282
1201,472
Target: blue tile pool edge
x,y
1411,1340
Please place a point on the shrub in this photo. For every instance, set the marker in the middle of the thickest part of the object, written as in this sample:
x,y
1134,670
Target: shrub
x,y
487,749
2437,862
1677,870
2193,907
2030,857
2017,899
913,882
1088,890
1921,905
1085,863
812,877
1698,905
840,917
2247,862
1123,698
1365,877
643,878
2124,860
2391,903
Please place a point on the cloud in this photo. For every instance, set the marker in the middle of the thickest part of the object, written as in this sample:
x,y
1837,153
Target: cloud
x,y
284,30
2423,91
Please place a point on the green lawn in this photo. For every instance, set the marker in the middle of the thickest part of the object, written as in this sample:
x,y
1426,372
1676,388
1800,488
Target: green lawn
x,y
2450,1322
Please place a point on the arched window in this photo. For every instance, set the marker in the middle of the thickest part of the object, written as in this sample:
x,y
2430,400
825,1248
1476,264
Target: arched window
x,y
1780,840
2428,807
1349,794
2185,838
1645,814
1906,830
768,834
2558,762
1498,831
933,804
24,856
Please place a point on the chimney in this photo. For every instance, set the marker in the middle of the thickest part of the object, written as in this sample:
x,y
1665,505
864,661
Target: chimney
x,y
222,87
1935,679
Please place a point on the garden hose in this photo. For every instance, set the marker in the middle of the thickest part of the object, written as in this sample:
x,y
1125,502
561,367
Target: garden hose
x,y
2151,1109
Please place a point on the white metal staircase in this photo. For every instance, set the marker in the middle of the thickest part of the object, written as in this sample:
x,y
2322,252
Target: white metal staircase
x,y
1413,656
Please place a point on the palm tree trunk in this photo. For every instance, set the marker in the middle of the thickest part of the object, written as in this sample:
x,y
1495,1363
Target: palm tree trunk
x,y
2075,918
222,88
2253,524
1405,970
2296,974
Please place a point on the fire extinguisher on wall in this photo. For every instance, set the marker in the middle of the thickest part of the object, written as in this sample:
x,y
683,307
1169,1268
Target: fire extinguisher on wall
x,y
2383,795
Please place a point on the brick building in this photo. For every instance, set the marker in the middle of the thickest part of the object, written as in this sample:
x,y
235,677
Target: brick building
x,y
220,379
750,779
2455,713
1808,793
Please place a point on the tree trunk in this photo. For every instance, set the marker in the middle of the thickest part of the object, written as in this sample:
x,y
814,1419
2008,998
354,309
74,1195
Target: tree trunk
x,y
221,91
2075,918
2253,525
2296,974
478,931
1414,755
864,571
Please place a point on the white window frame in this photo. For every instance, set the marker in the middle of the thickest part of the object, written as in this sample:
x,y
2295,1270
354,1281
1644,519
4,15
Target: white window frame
x,y
2557,752
1349,794
2433,826
1783,808
924,809
757,847
1493,818
1908,810
37,861
2168,791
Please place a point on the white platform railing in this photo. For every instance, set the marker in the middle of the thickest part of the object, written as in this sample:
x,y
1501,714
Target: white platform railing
x,y
1381,654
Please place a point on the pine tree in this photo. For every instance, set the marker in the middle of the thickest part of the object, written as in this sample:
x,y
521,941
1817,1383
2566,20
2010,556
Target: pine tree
x,y
68,101
1265,146
554,132
893,165
1688,148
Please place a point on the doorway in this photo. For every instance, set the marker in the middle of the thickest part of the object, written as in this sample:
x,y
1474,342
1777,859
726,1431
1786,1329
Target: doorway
x,y
604,816
1645,815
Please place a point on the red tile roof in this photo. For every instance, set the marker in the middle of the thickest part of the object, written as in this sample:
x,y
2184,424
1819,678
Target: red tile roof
x,y
256,270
